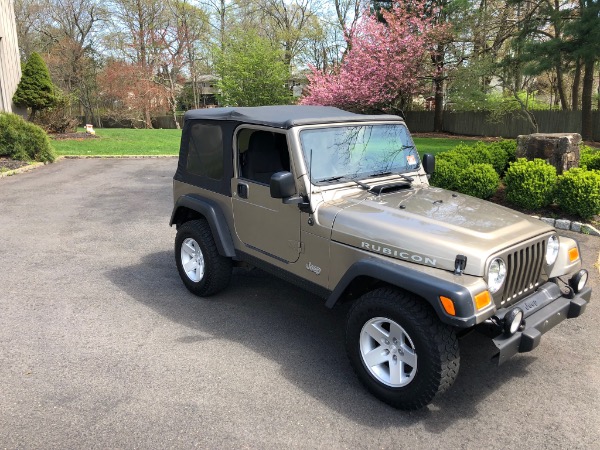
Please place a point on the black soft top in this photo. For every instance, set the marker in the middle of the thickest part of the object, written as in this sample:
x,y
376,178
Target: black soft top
x,y
285,116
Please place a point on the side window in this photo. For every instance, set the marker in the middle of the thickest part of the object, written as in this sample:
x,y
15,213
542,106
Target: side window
x,y
261,154
205,152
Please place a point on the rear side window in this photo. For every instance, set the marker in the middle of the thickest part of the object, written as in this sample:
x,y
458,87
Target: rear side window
x,y
205,152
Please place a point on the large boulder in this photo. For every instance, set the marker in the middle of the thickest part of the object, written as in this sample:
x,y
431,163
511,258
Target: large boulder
x,y
559,149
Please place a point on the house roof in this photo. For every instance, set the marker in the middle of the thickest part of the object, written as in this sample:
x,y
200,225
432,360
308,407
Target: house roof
x,y
285,116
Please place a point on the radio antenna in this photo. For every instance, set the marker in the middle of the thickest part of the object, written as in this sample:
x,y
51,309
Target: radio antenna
x,y
310,182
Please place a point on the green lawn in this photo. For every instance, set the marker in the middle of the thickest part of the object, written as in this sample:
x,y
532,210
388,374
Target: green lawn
x,y
437,145
122,141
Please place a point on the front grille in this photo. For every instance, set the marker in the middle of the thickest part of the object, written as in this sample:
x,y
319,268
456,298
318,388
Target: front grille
x,y
523,271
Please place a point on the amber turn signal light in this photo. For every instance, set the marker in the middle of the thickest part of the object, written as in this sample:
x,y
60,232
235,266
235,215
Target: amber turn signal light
x,y
448,305
482,300
573,254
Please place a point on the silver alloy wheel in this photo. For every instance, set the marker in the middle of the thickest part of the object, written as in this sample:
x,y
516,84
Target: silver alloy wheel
x,y
388,352
192,260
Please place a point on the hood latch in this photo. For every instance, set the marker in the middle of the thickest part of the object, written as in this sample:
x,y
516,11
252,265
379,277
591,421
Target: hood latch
x,y
459,264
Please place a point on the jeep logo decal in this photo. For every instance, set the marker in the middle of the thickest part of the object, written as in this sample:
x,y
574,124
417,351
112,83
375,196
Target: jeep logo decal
x,y
313,268
399,254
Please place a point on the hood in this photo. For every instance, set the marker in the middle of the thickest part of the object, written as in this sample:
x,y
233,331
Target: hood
x,y
431,226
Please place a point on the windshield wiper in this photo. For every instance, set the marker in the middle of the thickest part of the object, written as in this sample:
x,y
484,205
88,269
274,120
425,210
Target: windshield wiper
x,y
331,179
401,175
346,178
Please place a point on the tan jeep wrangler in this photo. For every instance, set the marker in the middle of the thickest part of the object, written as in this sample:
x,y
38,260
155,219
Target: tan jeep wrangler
x,y
340,204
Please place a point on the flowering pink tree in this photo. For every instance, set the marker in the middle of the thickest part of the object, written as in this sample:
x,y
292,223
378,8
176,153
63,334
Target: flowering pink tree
x,y
385,62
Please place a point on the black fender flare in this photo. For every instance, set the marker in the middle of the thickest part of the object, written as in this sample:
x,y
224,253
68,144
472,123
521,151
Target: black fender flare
x,y
214,216
419,283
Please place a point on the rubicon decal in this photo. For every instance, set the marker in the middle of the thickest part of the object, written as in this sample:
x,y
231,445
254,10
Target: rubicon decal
x,y
398,253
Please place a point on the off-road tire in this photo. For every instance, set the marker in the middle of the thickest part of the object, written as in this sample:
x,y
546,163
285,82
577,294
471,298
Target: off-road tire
x,y
435,345
217,268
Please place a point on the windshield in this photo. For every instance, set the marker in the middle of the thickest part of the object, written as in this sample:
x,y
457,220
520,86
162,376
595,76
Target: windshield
x,y
358,151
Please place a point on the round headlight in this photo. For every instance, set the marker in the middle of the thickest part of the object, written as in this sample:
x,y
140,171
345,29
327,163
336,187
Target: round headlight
x,y
552,250
496,275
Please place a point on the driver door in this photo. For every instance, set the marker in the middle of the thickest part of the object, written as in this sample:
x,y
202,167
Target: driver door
x,y
263,223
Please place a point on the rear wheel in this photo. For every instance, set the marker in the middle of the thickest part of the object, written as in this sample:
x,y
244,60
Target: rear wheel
x,y
201,268
399,349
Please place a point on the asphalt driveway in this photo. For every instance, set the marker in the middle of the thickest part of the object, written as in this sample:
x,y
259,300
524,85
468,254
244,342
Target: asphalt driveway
x,y
101,346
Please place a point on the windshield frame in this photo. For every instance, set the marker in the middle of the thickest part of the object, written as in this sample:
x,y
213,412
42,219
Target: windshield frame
x,y
352,177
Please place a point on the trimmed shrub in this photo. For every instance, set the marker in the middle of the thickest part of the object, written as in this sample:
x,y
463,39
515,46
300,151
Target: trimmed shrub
x,y
589,158
578,192
23,140
446,174
479,180
510,147
491,154
464,155
530,184
503,153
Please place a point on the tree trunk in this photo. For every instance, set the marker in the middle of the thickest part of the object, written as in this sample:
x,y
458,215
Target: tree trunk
x,y
222,25
438,82
438,115
147,118
576,82
560,87
174,111
586,100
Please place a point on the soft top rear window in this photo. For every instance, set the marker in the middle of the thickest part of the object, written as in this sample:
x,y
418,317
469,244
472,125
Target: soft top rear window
x,y
205,151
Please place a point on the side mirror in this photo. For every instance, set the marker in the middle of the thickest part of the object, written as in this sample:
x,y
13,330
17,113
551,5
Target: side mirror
x,y
282,185
428,163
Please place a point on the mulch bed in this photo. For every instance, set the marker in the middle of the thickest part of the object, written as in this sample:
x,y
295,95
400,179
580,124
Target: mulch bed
x,y
11,164
595,144
80,135
456,136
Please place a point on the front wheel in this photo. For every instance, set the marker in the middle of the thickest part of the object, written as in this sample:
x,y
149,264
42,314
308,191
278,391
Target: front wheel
x,y
201,268
399,349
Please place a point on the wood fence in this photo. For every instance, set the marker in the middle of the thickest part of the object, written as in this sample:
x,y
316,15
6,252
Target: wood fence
x,y
476,123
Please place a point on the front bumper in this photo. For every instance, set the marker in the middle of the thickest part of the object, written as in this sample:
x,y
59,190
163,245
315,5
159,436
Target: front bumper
x,y
542,311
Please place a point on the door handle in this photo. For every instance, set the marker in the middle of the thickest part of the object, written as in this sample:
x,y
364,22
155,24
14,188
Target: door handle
x,y
242,190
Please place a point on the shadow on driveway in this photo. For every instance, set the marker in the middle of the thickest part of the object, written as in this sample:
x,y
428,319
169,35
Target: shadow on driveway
x,y
294,329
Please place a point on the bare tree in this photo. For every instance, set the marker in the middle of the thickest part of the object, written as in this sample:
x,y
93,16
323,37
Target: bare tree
x,y
141,24
191,24
348,12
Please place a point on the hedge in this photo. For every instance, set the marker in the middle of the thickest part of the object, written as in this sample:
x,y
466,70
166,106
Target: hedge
x,y
479,180
455,168
23,141
589,158
530,184
578,192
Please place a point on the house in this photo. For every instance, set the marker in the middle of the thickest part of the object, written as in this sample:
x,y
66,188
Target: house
x,y
10,64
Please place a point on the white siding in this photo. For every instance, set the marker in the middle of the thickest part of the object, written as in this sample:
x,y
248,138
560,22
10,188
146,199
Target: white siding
x,y
10,64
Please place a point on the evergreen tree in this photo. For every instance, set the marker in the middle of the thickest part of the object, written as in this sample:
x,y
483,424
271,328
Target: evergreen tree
x,y
585,44
35,90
